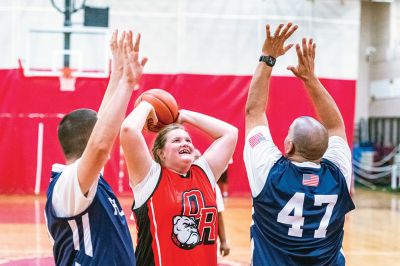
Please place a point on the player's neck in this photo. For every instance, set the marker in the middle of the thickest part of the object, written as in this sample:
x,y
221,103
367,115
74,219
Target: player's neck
x,y
300,159
183,173
70,161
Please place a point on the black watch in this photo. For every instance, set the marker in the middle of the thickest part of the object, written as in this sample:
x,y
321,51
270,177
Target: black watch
x,y
269,60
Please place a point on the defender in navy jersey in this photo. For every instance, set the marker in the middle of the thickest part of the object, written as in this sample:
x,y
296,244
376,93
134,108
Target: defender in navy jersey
x,y
300,199
84,237
84,218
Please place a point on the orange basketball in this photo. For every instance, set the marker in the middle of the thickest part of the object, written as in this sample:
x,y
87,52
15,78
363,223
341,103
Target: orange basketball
x,y
164,105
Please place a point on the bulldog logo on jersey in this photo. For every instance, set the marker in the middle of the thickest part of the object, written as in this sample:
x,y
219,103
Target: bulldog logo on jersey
x,y
197,223
185,233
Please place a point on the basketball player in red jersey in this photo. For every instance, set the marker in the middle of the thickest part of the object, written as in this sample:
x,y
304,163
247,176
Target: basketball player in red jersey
x,y
174,195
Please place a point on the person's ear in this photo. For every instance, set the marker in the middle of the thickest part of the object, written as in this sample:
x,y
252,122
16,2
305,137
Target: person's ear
x,y
289,149
161,154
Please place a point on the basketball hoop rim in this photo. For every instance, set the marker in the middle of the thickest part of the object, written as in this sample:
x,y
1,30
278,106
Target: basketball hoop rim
x,y
66,72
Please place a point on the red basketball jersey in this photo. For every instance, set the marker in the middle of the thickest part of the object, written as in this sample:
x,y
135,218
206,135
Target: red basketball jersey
x,y
178,223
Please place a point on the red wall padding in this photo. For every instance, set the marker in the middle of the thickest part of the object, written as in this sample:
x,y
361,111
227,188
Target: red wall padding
x,y
26,102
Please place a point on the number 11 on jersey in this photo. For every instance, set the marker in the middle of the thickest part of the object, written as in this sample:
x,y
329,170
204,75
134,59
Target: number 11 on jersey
x,y
296,220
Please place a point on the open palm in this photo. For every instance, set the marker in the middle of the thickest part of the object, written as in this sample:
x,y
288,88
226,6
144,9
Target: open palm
x,y
133,67
274,45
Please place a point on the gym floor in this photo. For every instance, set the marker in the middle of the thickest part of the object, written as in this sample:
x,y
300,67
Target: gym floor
x,y
372,231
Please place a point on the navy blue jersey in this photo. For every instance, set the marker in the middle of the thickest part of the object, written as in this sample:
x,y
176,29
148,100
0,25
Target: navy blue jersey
x,y
299,216
98,236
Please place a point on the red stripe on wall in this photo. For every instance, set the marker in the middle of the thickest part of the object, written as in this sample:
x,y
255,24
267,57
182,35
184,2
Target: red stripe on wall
x,y
27,101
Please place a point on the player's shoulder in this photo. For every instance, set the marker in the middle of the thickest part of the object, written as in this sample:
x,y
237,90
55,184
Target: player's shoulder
x,y
58,168
201,165
282,162
337,146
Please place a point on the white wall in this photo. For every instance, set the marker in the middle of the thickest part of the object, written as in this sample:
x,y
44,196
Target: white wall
x,y
365,56
383,73
206,36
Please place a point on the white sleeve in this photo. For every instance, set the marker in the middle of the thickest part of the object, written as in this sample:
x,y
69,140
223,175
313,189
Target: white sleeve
x,y
259,155
143,190
339,153
203,164
68,199
220,200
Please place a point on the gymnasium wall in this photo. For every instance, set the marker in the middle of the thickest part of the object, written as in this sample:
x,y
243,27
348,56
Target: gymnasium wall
x,y
203,52
378,84
31,102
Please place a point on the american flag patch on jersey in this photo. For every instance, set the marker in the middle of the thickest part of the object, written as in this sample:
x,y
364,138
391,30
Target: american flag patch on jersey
x,y
256,139
310,180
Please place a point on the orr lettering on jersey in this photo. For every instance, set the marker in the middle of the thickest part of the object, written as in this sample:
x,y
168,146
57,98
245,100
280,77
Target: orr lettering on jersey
x,y
197,223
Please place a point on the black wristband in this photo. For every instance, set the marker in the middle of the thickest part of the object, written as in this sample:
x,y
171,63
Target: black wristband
x,y
267,59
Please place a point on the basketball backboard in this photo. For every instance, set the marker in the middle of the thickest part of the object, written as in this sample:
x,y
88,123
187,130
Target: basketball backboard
x,y
47,53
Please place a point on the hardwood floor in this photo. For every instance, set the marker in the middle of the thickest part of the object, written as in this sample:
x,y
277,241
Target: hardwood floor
x,y
372,231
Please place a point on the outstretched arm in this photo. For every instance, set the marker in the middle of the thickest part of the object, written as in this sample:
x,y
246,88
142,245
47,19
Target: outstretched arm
x,y
324,104
225,137
117,49
108,124
257,100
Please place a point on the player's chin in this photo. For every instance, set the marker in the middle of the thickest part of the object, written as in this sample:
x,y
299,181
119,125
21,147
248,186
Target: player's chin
x,y
186,157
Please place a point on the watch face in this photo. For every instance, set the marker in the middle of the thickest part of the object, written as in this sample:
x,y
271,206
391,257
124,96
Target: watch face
x,y
270,60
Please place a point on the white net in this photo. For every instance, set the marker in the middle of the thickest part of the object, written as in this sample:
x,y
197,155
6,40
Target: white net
x,y
67,83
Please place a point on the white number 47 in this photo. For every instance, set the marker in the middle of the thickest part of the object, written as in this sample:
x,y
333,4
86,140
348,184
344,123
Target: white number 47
x,y
297,220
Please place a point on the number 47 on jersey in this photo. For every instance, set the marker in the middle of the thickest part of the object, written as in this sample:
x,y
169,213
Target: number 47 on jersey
x,y
297,220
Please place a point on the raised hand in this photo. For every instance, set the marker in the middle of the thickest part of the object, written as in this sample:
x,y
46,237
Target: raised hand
x,y
133,68
274,45
306,56
117,51
183,116
151,120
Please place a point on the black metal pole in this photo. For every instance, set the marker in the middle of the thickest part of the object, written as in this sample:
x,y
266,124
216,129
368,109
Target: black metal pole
x,y
67,35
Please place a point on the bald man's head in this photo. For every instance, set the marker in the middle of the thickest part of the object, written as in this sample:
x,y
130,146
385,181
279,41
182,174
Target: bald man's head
x,y
309,138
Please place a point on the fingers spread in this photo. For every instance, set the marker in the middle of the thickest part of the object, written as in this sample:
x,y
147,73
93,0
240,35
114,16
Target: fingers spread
x,y
293,69
290,32
121,39
268,30
287,47
113,41
144,61
128,40
137,43
309,46
313,50
125,48
304,46
278,30
299,53
285,30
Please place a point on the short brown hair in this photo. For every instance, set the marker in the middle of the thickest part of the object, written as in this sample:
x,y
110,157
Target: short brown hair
x,y
74,131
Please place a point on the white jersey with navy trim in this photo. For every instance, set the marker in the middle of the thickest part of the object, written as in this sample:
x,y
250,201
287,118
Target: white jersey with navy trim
x,y
260,158
99,235
298,208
